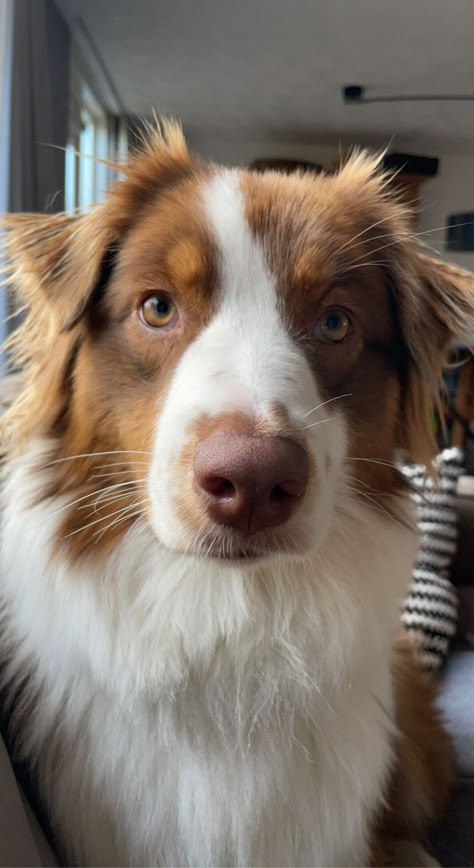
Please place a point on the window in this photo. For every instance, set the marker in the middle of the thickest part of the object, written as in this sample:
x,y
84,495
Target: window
x,y
86,178
95,134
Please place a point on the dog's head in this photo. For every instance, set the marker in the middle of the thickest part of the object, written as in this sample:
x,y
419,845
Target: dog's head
x,y
233,355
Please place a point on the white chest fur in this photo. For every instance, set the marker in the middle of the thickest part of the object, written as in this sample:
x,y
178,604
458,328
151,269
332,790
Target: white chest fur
x,y
195,715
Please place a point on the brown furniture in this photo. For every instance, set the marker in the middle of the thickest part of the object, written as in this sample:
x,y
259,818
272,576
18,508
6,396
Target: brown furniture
x,y
278,164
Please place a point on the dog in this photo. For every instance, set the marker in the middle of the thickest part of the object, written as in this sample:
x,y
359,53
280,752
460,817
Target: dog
x,y
205,536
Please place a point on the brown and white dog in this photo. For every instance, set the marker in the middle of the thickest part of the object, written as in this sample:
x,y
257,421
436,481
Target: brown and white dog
x,y
205,540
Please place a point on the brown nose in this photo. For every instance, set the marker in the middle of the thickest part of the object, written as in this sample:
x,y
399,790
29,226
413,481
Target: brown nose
x,y
250,483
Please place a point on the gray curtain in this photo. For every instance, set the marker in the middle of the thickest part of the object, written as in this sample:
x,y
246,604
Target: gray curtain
x,y
39,106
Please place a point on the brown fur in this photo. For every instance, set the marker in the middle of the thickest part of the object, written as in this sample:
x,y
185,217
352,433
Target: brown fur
x,y
424,771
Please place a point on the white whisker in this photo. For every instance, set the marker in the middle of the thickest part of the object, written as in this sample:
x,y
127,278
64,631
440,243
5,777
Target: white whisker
x,y
409,236
97,493
107,501
93,454
121,464
78,500
91,523
323,404
368,262
314,424
128,513
375,461
404,211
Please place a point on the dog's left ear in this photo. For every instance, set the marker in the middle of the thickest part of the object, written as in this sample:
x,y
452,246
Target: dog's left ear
x,y
57,261
437,306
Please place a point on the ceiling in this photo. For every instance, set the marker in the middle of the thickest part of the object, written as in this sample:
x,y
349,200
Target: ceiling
x,y
276,67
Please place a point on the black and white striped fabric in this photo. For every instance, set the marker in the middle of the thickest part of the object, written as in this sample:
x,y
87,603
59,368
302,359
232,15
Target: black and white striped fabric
x,y
431,606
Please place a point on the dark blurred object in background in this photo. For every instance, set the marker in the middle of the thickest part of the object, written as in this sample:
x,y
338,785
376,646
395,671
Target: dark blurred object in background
x,y
287,166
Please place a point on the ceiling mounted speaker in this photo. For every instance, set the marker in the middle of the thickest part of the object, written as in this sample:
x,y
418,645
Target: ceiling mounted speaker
x,y
355,94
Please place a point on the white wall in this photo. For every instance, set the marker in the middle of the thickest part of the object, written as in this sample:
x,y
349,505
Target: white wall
x,y
241,149
451,192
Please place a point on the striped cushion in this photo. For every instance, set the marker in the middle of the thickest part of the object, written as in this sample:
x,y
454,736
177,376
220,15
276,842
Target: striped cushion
x,y
430,608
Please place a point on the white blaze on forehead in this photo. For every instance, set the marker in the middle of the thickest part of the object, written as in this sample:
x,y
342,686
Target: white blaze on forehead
x,y
249,325
246,283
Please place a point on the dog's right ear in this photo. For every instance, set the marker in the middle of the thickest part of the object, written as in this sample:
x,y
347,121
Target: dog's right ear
x,y
61,260
57,261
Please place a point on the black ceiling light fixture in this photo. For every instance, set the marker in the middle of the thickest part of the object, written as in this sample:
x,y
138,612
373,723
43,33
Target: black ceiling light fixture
x,y
355,94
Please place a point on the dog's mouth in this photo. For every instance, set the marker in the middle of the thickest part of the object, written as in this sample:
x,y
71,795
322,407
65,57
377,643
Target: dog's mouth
x,y
237,547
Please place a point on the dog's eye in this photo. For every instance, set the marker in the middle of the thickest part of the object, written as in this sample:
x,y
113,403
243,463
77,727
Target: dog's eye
x,y
334,326
157,311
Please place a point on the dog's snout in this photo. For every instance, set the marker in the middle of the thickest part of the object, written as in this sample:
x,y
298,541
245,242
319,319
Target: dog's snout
x,y
250,483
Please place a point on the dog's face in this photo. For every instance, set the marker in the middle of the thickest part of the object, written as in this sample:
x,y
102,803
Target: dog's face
x,y
247,321
250,349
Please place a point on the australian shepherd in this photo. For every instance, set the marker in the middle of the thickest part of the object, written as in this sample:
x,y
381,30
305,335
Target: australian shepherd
x,y
205,536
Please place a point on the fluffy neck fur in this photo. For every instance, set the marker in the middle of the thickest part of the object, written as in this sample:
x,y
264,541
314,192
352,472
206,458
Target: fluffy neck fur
x,y
256,672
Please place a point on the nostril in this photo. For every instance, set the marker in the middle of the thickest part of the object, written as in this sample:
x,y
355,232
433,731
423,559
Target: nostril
x,y
220,487
287,490
278,494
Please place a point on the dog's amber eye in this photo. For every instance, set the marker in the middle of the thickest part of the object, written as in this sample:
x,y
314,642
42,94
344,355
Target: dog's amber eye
x,y
157,311
334,325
